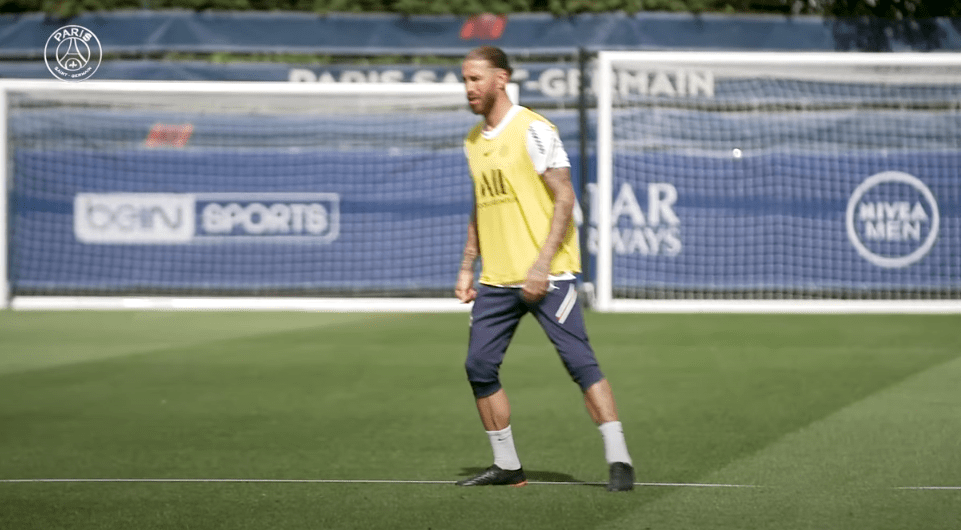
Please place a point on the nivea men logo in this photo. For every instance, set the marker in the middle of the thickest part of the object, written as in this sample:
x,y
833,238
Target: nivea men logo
x,y
290,217
161,218
892,219
134,218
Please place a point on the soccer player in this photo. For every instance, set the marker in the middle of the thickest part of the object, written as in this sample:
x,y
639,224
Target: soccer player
x,y
522,229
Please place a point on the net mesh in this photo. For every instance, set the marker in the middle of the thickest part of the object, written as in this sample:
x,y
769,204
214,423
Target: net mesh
x,y
790,181
166,192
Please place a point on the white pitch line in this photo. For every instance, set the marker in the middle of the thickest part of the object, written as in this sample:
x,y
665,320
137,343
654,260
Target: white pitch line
x,y
342,481
390,481
695,485
223,480
929,488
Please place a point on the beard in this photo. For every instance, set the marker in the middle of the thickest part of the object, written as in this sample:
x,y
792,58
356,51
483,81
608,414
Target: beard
x,y
484,104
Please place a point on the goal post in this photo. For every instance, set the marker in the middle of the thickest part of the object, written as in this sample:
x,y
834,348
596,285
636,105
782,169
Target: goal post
x,y
4,200
230,195
778,182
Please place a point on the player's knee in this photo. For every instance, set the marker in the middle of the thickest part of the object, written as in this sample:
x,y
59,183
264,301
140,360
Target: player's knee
x,y
481,370
483,376
586,376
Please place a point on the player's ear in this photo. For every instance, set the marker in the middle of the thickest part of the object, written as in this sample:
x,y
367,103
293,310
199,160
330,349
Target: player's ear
x,y
503,78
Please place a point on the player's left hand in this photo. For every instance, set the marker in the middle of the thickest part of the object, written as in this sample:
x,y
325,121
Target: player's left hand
x,y
536,284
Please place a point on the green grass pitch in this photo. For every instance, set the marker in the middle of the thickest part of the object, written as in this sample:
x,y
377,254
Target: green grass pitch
x,y
291,421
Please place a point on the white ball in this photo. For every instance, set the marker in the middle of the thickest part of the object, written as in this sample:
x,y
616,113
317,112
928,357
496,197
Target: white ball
x,y
736,153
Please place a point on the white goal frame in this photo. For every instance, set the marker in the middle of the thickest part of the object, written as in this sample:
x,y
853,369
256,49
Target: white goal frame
x,y
195,303
604,89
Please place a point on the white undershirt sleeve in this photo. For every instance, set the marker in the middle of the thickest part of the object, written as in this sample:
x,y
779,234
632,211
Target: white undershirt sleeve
x,y
545,147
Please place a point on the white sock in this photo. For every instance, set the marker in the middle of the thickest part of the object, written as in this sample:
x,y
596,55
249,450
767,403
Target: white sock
x,y
502,443
615,447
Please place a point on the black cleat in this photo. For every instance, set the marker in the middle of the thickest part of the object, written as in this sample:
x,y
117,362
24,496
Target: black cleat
x,y
621,478
495,476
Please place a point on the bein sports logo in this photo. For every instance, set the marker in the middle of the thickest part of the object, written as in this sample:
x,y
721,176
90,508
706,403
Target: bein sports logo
x,y
282,217
133,218
72,53
158,218
892,219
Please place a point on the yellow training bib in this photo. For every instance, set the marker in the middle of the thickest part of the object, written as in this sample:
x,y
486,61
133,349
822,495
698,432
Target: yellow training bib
x,y
514,206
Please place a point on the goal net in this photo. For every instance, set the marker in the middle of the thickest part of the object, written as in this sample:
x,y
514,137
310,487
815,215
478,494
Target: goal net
x,y
776,180
339,193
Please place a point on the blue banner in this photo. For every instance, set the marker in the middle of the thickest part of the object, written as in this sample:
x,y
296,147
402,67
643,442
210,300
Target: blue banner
x,y
140,221
831,223
237,221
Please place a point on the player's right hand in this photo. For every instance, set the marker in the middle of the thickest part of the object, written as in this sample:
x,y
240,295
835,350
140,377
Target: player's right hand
x,y
464,289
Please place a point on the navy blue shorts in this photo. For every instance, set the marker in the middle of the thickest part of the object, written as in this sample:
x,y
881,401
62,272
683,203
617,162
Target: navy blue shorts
x,y
496,313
